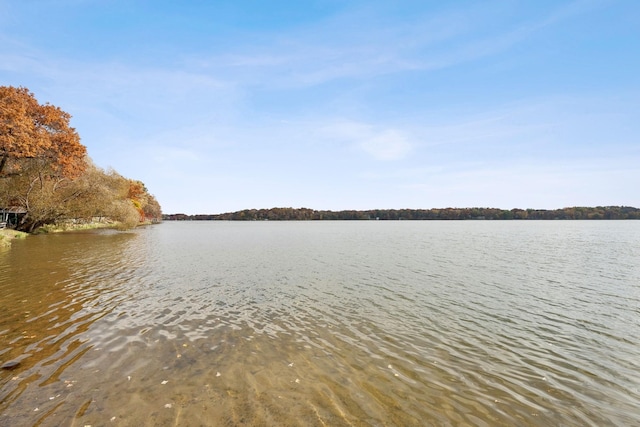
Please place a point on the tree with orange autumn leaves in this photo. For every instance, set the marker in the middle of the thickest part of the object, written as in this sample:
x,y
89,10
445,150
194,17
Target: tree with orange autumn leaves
x,y
45,171
30,131
146,204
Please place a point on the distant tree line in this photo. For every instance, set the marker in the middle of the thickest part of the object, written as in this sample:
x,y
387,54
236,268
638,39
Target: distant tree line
x,y
305,214
46,176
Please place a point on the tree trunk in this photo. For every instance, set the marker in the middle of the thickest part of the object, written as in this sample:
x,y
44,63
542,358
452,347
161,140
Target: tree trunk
x,y
3,162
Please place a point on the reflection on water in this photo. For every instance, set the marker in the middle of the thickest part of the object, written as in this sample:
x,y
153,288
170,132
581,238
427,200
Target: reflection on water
x,y
53,288
324,323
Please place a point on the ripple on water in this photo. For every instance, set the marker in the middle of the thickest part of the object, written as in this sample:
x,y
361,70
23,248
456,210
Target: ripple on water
x,y
335,324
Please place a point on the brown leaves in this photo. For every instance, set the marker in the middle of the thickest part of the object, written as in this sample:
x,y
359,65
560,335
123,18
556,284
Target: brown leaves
x,y
45,170
29,130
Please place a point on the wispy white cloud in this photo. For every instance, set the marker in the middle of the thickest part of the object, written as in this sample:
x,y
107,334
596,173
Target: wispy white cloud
x,y
380,143
336,49
524,184
387,145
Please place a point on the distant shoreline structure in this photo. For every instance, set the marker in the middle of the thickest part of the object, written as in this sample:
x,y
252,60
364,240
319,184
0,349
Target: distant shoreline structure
x,y
306,214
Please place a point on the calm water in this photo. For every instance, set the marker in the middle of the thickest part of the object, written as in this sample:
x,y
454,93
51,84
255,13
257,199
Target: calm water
x,y
324,323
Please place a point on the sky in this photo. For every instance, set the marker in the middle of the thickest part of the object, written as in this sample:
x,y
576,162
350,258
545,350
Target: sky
x,y
220,106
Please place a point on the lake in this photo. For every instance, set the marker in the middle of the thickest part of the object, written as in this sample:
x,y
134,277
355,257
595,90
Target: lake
x,y
367,323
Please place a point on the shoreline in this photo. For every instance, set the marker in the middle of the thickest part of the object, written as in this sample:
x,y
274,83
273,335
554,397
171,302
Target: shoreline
x,y
65,227
8,235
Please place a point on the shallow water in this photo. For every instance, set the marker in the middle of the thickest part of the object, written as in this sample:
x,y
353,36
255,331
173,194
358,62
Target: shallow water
x,y
324,323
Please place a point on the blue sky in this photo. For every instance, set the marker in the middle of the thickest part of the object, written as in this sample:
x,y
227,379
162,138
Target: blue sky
x,y
224,105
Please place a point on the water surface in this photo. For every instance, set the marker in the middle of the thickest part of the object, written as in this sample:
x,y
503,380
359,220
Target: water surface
x,y
376,323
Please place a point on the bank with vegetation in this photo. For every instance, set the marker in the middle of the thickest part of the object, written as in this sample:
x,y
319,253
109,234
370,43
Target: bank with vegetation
x,y
304,214
7,236
47,178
